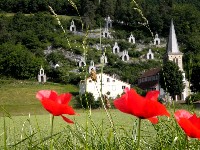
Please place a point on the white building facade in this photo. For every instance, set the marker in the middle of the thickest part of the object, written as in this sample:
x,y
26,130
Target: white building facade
x,y
110,86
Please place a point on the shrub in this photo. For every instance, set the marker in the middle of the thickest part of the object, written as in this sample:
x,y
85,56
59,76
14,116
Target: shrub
x,y
193,98
87,100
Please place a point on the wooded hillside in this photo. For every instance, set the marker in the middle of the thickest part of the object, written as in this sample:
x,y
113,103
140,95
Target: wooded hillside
x,y
23,38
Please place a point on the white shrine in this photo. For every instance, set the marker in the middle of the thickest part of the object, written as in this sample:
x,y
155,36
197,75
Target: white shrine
x,y
150,54
125,56
116,48
82,62
103,59
108,22
42,76
92,67
106,33
72,26
131,39
156,40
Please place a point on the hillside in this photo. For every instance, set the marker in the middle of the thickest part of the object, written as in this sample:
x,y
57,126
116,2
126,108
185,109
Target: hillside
x,y
30,40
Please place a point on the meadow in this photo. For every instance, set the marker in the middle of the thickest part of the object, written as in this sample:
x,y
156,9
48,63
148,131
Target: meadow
x,y
26,125
18,97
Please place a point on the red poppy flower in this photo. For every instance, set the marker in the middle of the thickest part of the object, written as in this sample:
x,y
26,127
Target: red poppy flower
x,y
189,123
56,104
142,107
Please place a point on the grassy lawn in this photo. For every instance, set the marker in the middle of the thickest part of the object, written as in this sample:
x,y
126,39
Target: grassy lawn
x,y
29,125
94,121
18,97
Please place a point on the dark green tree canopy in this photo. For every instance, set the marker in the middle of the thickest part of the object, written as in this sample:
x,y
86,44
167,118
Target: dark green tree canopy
x,y
195,79
171,79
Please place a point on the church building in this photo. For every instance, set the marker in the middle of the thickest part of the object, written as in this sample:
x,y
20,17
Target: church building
x,y
172,54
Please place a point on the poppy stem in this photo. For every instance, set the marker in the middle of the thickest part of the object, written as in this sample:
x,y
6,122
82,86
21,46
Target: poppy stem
x,y
52,120
139,126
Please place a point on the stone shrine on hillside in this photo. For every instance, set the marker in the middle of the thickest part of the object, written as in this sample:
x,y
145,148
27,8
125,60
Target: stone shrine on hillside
x,y
150,54
72,27
42,76
131,39
106,33
156,40
116,48
108,22
103,59
125,56
82,62
92,67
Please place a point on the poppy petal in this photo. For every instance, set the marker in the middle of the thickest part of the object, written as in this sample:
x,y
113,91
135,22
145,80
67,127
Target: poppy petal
x,y
154,108
121,104
135,103
52,107
152,95
153,120
182,114
189,128
65,109
66,119
141,107
64,98
50,94
195,121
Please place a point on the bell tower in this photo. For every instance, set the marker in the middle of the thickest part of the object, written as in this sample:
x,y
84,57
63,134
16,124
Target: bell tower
x,y
173,53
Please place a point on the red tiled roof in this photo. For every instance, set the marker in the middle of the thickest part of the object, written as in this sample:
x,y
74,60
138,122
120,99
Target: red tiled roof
x,y
148,85
150,72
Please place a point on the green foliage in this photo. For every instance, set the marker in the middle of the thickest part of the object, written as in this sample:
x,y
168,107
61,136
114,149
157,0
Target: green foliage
x,y
171,78
16,61
87,101
195,79
193,98
140,91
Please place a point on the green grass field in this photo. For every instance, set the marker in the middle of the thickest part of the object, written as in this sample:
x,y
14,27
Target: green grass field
x,y
96,120
18,97
26,125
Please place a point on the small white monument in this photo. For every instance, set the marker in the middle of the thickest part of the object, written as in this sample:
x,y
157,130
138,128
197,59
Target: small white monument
x,y
115,48
72,27
125,56
156,40
108,22
131,39
82,62
103,59
106,33
42,76
150,54
92,67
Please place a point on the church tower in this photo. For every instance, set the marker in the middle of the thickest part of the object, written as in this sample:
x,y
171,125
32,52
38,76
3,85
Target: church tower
x,y
173,54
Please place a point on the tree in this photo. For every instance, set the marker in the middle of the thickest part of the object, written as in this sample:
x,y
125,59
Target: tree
x,y
88,12
87,100
171,79
195,79
16,61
